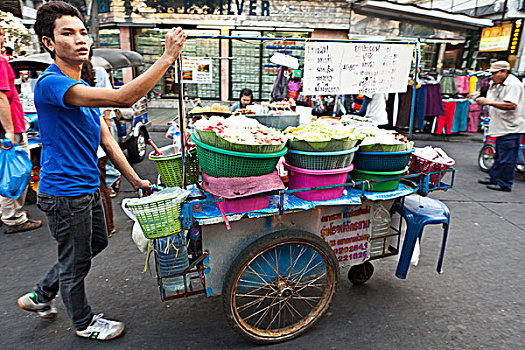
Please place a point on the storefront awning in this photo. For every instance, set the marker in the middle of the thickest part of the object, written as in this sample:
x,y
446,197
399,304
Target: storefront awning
x,y
404,12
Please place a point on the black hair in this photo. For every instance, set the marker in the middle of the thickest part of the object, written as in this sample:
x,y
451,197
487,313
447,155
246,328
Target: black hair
x,y
46,17
88,73
246,92
8,50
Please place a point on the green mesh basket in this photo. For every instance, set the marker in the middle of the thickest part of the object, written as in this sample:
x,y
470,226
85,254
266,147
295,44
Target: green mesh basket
x,y
212,139
321,160
169,166
157,217
218,162
322,146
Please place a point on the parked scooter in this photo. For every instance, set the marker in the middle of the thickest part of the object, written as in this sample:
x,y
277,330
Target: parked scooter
x,y
487,152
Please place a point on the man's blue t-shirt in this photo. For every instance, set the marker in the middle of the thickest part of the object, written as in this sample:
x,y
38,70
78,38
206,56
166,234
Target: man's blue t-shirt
x,y
70,138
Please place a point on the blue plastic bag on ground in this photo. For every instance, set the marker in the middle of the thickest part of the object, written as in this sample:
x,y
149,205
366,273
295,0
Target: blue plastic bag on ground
x,y
15,170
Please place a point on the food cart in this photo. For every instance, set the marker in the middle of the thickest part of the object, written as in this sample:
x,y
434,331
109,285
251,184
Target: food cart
x,y
277,267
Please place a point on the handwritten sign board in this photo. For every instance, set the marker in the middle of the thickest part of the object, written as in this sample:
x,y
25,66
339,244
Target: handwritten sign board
x,y
355,68
197,70
347,230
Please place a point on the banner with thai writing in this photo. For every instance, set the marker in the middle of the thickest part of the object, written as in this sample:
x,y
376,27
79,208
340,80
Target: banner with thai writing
x,y
356,68
347,230
197,70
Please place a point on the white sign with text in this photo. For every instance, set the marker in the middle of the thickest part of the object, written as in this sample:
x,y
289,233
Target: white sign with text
x,y
197,70
352,68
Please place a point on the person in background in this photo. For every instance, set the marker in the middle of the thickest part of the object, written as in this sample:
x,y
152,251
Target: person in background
x,y
112,175
9,53
506,101
376,108
294,84
71,130
89,76
13,125
245,99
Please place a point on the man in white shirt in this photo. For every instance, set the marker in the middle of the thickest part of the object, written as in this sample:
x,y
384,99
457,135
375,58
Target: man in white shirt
x,y
506,98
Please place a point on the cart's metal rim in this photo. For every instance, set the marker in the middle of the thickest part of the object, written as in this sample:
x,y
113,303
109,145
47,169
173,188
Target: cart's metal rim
x,y
290,330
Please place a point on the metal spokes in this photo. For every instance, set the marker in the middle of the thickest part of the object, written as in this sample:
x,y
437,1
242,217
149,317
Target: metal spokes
x,y
283,288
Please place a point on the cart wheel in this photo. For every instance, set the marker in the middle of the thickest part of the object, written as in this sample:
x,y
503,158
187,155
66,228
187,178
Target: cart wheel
x,y
280,286
359,274
486,157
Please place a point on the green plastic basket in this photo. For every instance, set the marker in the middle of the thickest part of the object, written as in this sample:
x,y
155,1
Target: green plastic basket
x,y
157,218
323,146
391,185
218,162
212,139
169,166
321,160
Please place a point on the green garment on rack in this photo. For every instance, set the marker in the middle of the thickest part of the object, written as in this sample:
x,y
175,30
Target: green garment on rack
x,y
448,86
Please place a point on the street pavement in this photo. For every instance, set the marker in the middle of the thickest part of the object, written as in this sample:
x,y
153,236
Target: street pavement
x,y
478,303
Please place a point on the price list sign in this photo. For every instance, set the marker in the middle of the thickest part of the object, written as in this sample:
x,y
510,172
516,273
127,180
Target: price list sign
x,y
342,68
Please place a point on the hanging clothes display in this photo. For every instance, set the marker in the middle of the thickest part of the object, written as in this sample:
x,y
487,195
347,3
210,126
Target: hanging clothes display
x,y
460,116
484,84
448,85
473,84
463,84
421,99
434,101
405,103
444,122
473,117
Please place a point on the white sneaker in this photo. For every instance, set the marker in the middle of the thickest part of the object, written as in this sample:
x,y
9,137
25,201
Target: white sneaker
x,y
101,329
29,302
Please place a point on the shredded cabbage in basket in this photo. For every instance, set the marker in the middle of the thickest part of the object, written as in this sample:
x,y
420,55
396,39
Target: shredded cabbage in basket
x,y
322,130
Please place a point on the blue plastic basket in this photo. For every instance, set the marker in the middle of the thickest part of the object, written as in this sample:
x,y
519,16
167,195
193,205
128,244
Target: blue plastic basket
x,y
320,160
382,161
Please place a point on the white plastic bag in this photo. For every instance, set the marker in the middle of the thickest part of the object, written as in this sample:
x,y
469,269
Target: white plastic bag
x,y
138,237
136,233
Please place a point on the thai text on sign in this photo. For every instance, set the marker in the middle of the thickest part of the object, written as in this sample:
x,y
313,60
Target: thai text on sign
x,y
197,70
350,68
348,233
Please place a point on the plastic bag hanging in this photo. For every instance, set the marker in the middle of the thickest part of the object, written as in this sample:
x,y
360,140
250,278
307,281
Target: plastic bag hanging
x,y
15,170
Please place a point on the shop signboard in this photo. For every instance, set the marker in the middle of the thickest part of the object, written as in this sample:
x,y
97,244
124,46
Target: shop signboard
x,y
496,38
274,13
356,68
197,70
515,38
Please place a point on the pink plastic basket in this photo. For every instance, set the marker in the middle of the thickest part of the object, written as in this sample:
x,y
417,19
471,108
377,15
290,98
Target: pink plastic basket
x,y
304,178
232,206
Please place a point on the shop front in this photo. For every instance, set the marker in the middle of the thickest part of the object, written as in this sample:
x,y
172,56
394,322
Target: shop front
x,y
447,39
500,42
236,63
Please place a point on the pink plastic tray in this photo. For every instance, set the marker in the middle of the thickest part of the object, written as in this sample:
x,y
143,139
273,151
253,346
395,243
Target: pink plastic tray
x,y
232,206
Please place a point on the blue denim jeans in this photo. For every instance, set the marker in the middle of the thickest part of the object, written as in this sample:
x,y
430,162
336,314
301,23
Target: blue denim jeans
x,y
78,226
505,160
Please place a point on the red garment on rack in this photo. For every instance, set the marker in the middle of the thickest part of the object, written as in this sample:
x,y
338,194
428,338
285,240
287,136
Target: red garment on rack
x,y
446,120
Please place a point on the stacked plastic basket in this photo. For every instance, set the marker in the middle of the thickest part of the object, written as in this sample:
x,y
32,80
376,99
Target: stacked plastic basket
x,y
381,162
325,163
169,166
222,159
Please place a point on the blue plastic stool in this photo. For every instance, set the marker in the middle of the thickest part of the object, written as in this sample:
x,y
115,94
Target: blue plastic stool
x,y
420,211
